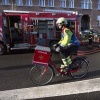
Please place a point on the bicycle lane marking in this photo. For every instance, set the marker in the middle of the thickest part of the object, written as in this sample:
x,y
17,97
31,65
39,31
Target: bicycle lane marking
x,y
86,86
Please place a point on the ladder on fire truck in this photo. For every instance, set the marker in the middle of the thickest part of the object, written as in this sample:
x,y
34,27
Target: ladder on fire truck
x,y
60,11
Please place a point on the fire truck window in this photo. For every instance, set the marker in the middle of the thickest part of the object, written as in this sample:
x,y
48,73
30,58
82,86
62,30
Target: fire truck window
x,y
42,26
34,26
50,28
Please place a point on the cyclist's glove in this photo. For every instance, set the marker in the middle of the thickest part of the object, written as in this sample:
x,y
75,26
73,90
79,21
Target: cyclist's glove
x,y
59,48
55,46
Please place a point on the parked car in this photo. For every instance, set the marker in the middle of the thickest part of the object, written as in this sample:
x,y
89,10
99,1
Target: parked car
x,y
84,34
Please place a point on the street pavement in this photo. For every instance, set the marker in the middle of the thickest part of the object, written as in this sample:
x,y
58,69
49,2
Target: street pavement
x,y
15,82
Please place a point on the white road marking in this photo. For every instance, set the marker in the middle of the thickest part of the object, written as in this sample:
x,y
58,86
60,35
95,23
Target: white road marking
x,y
78,87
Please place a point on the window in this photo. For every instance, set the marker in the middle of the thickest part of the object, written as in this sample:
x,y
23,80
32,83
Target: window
x,y
86,4
71,3
98,20
19,2
63,3
5,2
51,3
29,2
42,3
99,4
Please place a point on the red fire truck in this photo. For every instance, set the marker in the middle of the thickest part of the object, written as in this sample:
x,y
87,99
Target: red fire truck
x,y
26,29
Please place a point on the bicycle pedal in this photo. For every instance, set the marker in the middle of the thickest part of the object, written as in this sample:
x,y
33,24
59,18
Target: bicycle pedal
x,y
59,74
62,75
63,70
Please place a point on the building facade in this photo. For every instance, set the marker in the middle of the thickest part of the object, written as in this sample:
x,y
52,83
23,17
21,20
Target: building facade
x,y
88,10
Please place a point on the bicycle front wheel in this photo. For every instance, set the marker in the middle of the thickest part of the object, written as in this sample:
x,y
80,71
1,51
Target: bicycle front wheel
x,y
80,68
40,74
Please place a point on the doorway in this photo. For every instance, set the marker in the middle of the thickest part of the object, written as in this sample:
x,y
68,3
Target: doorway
x,y
85,22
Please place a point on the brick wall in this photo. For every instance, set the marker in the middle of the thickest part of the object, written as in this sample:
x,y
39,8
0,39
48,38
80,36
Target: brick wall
x,y
92,13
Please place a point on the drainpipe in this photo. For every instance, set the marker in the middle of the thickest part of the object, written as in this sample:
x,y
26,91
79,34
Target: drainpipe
x,y
12,4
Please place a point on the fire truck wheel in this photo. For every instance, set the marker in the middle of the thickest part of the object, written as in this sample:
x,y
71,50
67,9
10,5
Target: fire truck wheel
x,y
51,46
2,49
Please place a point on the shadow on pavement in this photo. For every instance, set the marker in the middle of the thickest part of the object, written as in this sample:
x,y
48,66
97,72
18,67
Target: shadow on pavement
x,y
90,75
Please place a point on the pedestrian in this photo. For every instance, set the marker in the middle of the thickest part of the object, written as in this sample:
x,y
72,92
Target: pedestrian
x,y
67,45
99,38
90,38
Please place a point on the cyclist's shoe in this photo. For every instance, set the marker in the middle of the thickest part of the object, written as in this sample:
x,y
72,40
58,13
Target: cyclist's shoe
x,y
63,68
58,74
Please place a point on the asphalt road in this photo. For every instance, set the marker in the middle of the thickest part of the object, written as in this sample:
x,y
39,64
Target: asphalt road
x,y
15,68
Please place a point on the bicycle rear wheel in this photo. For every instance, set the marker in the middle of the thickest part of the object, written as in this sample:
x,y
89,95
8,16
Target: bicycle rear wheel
x,y
80,68
40,74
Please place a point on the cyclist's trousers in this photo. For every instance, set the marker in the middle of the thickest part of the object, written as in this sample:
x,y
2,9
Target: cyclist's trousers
x,y
65,54
90,40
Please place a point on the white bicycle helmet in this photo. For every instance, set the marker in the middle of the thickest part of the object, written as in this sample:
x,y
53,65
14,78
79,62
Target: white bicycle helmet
x,y
62,21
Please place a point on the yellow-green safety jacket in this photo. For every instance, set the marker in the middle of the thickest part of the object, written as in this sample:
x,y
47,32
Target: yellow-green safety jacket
x,y
67,36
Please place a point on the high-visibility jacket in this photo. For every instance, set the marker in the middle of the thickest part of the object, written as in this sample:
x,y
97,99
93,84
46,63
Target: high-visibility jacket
x,y
67,36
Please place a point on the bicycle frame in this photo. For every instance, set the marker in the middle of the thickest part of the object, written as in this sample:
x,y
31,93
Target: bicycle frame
x,y
54,65
58,69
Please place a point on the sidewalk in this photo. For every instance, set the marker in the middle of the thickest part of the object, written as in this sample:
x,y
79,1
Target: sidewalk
x,y
64,89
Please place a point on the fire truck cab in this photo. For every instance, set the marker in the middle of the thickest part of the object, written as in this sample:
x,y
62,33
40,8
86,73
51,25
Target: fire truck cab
x,y
26,29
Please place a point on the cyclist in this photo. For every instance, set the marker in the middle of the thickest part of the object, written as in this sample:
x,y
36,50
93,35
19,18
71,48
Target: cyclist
x,y
67,45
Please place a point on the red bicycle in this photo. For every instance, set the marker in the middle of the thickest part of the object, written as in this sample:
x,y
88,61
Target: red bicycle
x,y
43,70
